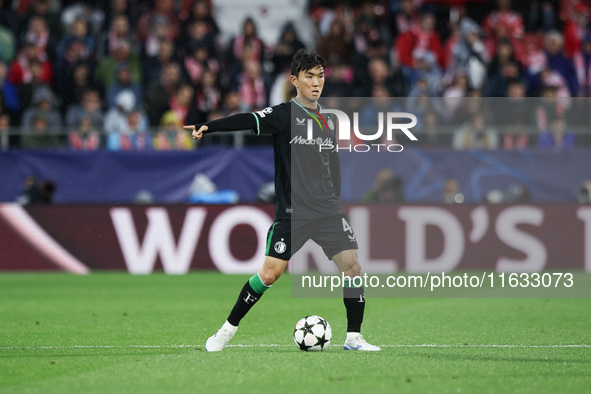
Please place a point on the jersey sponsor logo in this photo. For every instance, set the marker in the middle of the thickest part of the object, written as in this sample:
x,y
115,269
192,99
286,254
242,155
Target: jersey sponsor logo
x,y
264,112
301,122
299,140
280,247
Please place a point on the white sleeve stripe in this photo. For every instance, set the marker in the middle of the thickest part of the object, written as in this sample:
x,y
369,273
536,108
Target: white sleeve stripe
x,y
258,130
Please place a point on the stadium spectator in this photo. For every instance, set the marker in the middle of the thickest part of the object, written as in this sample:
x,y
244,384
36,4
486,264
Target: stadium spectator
x,y
420,102
575,28
252,86
8,18
118,8
7,140
338,80
182,104
582,62
360,66
161,10
498,84
198,61
286,47
159,92
208,95
406,17
78,32
88,10
9,91
105,72
380,102
199,10
35,192
503,18
132,136
79,82
513,115
38,34
8,45
159,33
42,110
451,192
247,39
340,11
89,108
76,53
504,53
232,103
542,15
469,54
117,118
20,69
368,28
37,134
119,30
198,34
455,92
42,9
387,188
381,74
152,66
282,90
583,193
430,130
85,136
171,135
335,47
426,69
476,134
122,82
421,37
557,136
555,60
548,107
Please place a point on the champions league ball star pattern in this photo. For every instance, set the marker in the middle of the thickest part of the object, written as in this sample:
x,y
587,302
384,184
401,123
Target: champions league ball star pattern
x,y
312,333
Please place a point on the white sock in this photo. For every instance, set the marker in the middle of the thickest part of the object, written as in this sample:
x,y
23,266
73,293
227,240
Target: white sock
x,y
230,327
351,335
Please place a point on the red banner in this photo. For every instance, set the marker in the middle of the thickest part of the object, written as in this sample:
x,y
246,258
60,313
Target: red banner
x,y
231,239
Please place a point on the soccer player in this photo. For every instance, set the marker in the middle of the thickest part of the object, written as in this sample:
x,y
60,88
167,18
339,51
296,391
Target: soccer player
x,y
307,186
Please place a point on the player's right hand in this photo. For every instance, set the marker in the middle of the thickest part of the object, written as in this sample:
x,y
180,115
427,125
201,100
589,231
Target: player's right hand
x,y
197,134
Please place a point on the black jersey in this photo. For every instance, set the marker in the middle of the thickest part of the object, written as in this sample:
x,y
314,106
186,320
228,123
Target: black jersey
x,y
306,177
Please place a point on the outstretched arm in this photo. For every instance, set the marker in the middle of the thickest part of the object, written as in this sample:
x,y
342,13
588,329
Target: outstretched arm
x,y
245,121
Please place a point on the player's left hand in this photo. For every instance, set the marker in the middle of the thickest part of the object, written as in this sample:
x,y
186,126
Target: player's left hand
x,y
197,134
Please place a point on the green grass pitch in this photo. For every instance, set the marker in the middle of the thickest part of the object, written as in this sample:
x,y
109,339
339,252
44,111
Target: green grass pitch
x,y
117,333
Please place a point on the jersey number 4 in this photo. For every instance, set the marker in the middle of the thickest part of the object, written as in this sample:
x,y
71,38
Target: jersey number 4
x,y
347,229
346,226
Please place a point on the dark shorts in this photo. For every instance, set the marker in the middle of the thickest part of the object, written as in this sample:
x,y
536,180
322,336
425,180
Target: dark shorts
x,y
334,234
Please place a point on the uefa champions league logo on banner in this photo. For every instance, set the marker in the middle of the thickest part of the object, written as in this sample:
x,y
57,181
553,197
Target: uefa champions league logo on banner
x,y
391,121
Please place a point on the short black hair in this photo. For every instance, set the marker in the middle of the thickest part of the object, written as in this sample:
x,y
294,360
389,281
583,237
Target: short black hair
x,y
305,59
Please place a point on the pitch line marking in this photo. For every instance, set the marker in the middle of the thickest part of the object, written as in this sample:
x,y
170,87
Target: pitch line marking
x,y
281,345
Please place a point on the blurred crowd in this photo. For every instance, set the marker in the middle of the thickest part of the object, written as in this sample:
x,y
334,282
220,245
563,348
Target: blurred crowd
x,y
124,75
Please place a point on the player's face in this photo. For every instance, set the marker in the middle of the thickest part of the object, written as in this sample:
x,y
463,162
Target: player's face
x,y
309,83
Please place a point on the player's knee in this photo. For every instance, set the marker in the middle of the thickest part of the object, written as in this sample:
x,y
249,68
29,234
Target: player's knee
x,y
353,269
269,276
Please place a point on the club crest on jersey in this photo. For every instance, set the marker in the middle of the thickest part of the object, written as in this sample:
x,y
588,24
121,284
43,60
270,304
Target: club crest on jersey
x,y
330,124
280,247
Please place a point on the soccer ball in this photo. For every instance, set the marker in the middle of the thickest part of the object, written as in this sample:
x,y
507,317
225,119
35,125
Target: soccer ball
x,y
312,333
